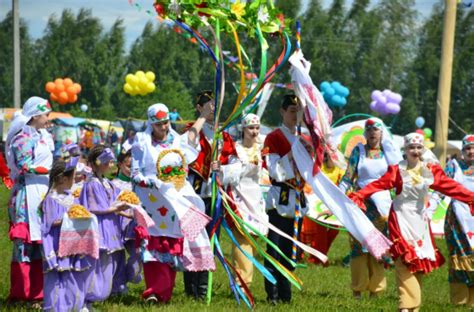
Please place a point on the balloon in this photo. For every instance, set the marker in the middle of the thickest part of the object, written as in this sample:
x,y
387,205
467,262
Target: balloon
x,y
67,82
150,76
71,90
53,97
420,121
392,108
77,87
127,88
50,87
63,97
419,131
427,132
324,85
150,87
334,93
139,83
373,105
131,79
72,98
386,102
63,91
84,107
143,82
59,87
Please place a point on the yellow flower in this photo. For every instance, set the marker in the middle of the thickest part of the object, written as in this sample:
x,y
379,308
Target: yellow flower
x,y
238,9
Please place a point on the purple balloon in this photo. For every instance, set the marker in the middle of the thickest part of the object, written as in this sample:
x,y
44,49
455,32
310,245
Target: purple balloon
x,y
375,95
373,106
392,108
394,98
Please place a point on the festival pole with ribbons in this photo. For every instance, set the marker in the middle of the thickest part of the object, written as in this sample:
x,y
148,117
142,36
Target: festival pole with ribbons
x,y
219,18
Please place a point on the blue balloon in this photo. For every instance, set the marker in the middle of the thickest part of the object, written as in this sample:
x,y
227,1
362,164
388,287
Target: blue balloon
x,y
324,86
420,121
344,92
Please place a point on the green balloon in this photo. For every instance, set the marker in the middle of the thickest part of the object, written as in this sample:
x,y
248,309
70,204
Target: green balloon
x,y
428,133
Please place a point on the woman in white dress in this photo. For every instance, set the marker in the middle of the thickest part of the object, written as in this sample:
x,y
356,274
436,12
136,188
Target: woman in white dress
x,y
248,194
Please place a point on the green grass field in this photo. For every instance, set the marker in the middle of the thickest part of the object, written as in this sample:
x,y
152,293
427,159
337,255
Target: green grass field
x,y
324,289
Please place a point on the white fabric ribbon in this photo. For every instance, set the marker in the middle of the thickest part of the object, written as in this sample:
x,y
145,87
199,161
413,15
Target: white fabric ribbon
x,y
353,219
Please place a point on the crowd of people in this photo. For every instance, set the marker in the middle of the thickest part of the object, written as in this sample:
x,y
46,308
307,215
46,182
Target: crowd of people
x,y
62,263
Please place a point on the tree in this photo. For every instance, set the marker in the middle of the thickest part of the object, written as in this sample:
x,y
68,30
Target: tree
x,y
6,61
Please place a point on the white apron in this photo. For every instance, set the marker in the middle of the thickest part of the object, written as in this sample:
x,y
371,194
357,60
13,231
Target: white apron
x,y
249,193
37,186
409,207
369,170
461,210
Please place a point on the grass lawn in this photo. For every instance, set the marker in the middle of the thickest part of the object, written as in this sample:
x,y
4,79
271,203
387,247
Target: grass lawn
x,y
324,289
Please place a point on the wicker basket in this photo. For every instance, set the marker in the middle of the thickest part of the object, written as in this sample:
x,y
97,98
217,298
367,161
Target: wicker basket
x,y
175,175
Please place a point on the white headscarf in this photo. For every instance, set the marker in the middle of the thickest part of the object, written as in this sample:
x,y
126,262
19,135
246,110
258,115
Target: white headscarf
x,y
34,106
390,149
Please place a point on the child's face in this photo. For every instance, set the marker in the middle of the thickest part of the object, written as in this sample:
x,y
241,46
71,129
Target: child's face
x,y
67,182
104,168
125,166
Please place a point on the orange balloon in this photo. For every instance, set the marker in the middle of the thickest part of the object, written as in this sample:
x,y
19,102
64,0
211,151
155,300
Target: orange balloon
x,y
78,87
59,87
50,87
53,97
67,82
58,81
63,96
71,90
62,101
72,98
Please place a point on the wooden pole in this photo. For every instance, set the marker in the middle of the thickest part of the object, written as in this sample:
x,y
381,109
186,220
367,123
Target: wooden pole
x,y
16,54
445,78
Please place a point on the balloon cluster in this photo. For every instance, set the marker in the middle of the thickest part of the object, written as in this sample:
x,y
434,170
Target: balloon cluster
x,y
334,93
386,102
63,91
139,83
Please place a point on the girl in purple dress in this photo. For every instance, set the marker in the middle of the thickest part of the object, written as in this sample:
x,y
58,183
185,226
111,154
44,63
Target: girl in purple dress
x,y
65,278
98,196
133,268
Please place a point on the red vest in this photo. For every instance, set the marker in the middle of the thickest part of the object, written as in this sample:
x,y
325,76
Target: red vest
x,y
202,164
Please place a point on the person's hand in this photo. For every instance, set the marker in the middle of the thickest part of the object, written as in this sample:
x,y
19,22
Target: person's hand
x,y
121,207
325,214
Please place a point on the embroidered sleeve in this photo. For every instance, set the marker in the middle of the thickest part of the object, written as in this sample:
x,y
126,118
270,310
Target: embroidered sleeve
x,y
22,148
350,175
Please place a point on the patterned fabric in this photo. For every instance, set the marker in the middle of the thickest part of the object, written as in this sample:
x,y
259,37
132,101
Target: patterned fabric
x,y
22,147
467,170
458,244
458,248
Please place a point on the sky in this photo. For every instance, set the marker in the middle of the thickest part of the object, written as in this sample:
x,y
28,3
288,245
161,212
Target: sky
x,y
37,12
